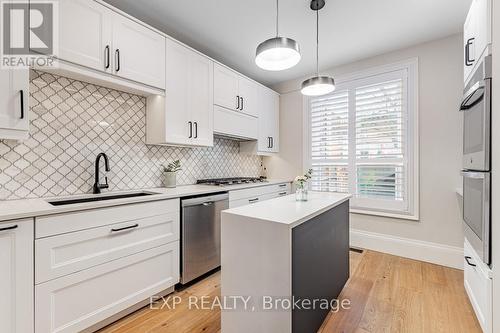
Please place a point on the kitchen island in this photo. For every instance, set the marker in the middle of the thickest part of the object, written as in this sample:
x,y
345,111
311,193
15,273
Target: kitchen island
x,y
282,252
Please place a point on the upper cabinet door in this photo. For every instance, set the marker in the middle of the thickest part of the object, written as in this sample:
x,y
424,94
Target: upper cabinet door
x,y
85,34
275,122
249,92
139,52
268,121
201,98
226,88
482,8
14,106
178,123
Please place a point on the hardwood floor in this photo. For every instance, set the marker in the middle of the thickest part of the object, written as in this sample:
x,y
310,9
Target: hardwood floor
x,y
387,294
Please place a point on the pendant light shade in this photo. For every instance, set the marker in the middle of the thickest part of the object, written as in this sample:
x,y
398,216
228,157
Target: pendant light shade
x,y
278,53
317,85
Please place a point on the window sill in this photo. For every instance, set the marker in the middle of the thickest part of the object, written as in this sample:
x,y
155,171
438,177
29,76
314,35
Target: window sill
x,y
384,214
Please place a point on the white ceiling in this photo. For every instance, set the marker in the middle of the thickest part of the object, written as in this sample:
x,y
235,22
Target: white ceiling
x,y
350,30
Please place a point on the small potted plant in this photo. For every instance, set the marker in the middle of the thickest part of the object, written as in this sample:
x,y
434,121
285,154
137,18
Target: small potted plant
x,y
301,186
170,171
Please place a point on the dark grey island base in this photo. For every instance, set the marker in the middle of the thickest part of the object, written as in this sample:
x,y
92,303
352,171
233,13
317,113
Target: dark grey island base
x,y
278,251
320,264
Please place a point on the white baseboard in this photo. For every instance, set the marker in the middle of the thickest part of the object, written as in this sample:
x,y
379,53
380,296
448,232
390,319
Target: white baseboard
x,y
450,256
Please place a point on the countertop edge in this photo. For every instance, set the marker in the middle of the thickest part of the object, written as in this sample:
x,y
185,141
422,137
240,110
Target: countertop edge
x,y
298,221
37,207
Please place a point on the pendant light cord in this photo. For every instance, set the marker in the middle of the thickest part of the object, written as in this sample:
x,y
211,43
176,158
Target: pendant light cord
x,y
317,42
277,16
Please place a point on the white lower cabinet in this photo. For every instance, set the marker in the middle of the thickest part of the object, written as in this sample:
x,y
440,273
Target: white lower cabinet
x,y
479,287
92,265
16,276
75,302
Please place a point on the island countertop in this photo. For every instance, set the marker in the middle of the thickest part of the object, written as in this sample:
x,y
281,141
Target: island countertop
x,y
286,210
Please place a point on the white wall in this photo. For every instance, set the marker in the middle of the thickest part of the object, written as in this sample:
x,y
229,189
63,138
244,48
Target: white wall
x,y
440,91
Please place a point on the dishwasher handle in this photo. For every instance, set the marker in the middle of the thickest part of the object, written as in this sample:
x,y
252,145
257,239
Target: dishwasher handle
x,y
206,200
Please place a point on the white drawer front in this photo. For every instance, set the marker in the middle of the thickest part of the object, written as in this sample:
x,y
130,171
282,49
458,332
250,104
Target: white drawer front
x,y
78,301
257,191
63,223
253,200
479,287
69,253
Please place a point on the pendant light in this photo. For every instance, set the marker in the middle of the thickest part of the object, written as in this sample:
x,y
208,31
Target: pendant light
x,y
278,53
318,85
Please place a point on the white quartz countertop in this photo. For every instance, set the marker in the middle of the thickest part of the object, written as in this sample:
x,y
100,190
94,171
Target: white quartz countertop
x,y
29,208
287,211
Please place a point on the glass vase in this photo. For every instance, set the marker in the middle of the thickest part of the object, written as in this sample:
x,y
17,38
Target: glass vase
x,y
301,194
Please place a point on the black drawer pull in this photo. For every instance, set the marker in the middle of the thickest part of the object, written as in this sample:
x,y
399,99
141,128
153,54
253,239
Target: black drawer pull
x,y
21,95
9,228
253,200
467,258
117,58
125,228
282,185
106,56
283,193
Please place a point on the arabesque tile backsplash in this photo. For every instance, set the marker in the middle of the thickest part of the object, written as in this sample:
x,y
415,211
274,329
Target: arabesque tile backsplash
x,y
73,121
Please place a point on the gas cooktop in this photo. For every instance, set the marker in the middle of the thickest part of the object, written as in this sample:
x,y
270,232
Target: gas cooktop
x,y
231,181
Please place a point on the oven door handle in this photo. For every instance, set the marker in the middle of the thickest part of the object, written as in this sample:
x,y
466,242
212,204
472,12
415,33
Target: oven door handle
x,y
474,175
473,96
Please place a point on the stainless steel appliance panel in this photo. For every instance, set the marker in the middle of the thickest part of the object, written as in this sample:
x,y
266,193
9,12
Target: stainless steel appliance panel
x,y
476,105
476,212
200,229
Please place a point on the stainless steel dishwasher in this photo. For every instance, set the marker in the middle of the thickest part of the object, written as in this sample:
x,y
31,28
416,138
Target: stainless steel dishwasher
x,y
200,234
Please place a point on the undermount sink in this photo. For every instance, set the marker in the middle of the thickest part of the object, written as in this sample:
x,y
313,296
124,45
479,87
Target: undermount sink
x,y
98,198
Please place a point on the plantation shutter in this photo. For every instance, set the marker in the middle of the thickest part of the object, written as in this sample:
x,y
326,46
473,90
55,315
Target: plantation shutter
x,y
380,132
330,142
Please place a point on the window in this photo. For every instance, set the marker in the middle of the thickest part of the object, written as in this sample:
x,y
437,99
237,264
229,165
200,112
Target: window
x,y
363,141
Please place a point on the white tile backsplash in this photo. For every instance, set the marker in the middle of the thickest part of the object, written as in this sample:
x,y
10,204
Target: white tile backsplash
x,y
73,121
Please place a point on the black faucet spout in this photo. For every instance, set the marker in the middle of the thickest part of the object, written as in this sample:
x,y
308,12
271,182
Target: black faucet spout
x,y
97,185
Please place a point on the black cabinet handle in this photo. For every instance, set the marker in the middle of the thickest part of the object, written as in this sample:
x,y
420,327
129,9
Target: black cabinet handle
x,y
21,96
283,193
467,258
9,228
272,142
242,107
253,200
468,61
190,129
238,102
106,55
117,57
195,129
125,228
282,185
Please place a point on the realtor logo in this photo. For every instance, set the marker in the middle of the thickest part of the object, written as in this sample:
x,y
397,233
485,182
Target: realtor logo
x,y
28,33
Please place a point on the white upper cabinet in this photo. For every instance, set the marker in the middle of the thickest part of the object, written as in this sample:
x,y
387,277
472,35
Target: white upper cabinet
x,y
185,116
16,277
226,88
235,92
85,34
14,106
249,96
96,37
268,129
477,35
139,52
